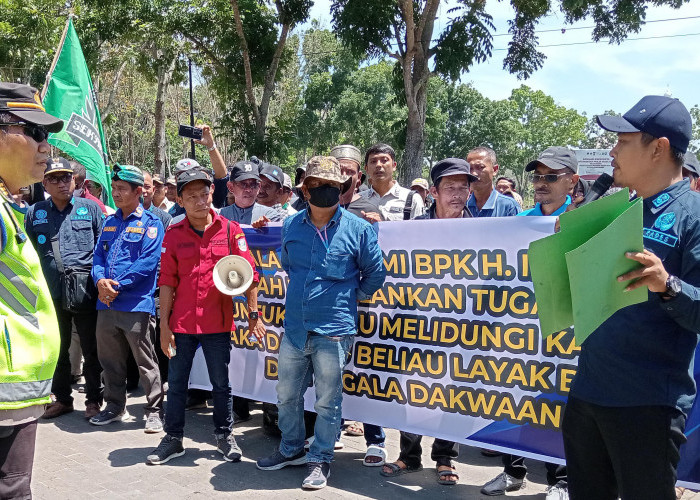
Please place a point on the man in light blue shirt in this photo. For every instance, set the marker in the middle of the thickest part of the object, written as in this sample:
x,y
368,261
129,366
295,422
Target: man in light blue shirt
x,y
554,177
333,261
485,201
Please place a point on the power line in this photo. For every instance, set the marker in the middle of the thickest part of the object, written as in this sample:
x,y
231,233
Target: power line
x,y
626,40
565,29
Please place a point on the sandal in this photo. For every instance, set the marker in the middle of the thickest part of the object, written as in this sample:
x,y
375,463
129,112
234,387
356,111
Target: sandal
x,y
397,470
355,429
443,474
377,452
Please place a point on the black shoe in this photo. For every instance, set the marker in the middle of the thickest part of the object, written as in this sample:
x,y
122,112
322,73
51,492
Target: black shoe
x,y
227,446
169,447
106,417
238,420
277,461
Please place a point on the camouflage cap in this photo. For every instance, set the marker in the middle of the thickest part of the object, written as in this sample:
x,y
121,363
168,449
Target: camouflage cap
x,y
128,173
347,152
328,169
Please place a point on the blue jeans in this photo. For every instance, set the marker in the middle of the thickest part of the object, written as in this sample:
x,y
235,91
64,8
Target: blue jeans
x,y
323,358
217,353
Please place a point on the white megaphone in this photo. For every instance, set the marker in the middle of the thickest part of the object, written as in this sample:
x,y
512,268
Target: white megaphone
x,y
233,275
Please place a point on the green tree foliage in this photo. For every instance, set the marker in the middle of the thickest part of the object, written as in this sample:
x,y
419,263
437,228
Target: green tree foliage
x,y
404,31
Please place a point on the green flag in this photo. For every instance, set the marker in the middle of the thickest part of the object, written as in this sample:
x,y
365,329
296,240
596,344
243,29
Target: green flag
x,y
69,95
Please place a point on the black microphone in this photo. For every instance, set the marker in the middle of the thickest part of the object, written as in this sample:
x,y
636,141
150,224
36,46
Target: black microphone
x,y
600,186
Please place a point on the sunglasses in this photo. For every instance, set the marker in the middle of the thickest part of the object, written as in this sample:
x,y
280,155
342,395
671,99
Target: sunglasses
x,y
548,178
36,132
57,179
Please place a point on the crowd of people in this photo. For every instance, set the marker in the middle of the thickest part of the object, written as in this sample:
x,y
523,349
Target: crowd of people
x,y
135,287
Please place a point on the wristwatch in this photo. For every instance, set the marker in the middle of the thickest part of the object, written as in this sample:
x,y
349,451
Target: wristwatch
x,y
253,314
673,287
213,148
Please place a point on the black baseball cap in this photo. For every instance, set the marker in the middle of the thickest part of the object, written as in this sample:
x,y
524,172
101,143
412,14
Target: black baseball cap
x,y
24,102
184,177
57,165
244,170
691,163
556,158
273,172
451,166
658,116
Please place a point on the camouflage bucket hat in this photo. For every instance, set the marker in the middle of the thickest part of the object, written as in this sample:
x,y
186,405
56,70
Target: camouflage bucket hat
x,y
328,169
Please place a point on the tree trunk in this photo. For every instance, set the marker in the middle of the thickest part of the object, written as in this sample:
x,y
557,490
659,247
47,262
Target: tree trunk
x,y
165,74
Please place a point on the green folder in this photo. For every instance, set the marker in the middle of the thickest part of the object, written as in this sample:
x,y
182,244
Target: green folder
x,y
574,271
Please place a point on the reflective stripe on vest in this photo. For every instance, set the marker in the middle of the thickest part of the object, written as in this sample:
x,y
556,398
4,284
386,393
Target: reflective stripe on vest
x,y
20,285
22,391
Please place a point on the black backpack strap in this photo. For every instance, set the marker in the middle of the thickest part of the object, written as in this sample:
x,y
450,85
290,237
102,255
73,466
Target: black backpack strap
x,y
409,204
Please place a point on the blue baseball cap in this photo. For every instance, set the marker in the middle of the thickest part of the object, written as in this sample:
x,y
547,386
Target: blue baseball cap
x,y
658,116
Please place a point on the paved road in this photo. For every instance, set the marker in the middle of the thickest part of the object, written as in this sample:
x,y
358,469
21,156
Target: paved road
x,y
76,460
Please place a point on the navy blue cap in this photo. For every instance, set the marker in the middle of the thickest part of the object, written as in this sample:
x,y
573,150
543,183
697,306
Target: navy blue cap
x,y
451,166
273,172
658,116
244,170
690,162
556,158
184,177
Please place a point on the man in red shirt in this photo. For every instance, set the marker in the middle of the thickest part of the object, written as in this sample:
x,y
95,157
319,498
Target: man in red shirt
x,y
194,312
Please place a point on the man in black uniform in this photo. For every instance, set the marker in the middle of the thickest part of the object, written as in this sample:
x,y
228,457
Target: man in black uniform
x,y
64,230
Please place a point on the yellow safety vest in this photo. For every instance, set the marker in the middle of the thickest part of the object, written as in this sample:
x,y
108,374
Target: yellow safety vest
x,y
28,328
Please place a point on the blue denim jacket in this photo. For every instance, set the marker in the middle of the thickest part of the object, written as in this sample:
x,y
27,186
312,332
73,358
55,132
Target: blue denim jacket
x,y
643,354
326,283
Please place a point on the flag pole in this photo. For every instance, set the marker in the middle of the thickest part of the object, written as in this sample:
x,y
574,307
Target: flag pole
x,y
56,55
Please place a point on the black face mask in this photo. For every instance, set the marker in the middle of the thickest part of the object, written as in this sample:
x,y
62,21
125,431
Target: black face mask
x,y
324,196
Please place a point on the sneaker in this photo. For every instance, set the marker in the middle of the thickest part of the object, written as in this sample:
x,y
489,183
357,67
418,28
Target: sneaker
x,y
169,447
277,461
557,492
91,409
317,477
240,420
153,424
106,417
502,483
227,446
57,409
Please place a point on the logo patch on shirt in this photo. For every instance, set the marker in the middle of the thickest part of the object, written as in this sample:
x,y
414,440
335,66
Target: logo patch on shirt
x,y
41,214
40,221
138,230
41,239
665,222
109,229
242,246
661,200
152,232
79,217
663,238
139,211
139,223
82,211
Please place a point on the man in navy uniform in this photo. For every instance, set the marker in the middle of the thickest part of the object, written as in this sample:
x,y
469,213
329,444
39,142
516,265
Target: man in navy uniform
x,y
625,417
64,230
